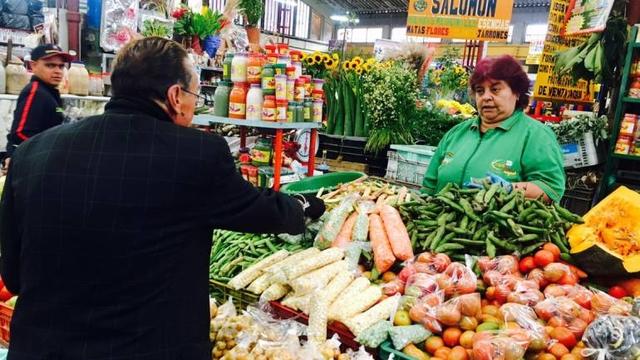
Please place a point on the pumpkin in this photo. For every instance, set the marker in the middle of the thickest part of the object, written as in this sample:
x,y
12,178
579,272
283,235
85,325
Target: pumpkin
x,y
608,243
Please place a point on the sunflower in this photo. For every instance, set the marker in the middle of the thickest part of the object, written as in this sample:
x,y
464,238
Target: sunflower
x,y
325,58
359,70
329,63
357,60
371,61
354,65
366,67
310,60
317,57
346,66
335,57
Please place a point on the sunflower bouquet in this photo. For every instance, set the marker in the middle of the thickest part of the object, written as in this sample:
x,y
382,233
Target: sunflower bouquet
x,y
448,79
319,64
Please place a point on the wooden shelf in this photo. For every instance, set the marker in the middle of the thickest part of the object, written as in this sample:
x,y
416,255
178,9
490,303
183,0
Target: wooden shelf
x,y
207,120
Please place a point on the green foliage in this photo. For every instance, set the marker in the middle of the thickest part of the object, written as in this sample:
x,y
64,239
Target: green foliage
x,y
252,10
202,25
573,130
429,124
155,27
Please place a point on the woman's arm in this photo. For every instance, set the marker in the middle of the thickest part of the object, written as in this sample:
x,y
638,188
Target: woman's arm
x,y
530,190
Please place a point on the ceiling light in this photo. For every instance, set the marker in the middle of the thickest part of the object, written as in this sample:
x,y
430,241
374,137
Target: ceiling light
x,y
339,18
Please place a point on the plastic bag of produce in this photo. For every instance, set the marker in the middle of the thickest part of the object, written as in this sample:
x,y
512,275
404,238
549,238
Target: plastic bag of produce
x,y
457,279
525,292
581,295
430,263
506,264
562,311
613,337
352,253
503,345
423,310
605,304
527,319
453,311
339,215
402,336
361,354
375,334
361,226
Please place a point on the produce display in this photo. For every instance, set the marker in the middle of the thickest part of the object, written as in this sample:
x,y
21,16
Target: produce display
x,y
485,221
606,244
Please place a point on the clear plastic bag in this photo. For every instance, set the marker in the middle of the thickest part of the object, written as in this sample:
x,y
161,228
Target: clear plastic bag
x,y
430,263
333,224
605,304
361,227
581,295
375,334
402,336
457,279
503,345
525,292
527,319
451,312
612,337
423,311
352,253
506,264
562,311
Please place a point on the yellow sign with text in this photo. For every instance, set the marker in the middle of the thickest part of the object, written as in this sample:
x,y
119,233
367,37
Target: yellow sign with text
x,y
548,86
460,19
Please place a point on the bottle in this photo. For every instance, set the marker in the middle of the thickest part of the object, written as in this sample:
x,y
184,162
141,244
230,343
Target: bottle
x,y
317,94
254,103
318,84
308,105
268,80
291,111
317,111
239,68
298,94
283,49
272,53
262,151
299,113
269,108
78,79
291,89
281,87
296,55
307,85
226,66
280,69
281,110
254,68
298,66
238,101
221,99
291,72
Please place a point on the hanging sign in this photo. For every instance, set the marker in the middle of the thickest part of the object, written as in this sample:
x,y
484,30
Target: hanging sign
x,y
548,86
460,19
587,16
535,52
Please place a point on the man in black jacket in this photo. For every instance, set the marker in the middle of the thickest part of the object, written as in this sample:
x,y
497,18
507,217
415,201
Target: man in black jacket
x,y
39,105
106,223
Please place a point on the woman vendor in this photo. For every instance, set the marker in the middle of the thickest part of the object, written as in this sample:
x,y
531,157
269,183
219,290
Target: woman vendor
x,y
502,140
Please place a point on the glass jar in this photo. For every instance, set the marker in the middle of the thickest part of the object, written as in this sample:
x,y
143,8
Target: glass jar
x,y
221,99
317,94
291,111
296,55
254,68
269,108
298,94
281,87
226,66
239,68
268,80
291,89
291,72
281,110
317,111
298,66
299,112
254,103
238,101
283,49
318,84
308,105
280,69
262,151
78,79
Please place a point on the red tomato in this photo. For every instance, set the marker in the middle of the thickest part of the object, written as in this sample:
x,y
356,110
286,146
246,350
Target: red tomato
x,y
543,258
569,278
5,294
618,292
554,249
527,264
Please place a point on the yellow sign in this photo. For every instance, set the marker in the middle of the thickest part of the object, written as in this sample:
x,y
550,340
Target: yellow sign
x,y
535,52
460,19
548,86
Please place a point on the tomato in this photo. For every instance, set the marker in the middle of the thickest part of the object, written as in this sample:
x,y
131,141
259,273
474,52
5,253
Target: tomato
x,y
490,293
458,353
618,292
564,336
443,352
433,343
543,258
5,294
569,278
557,321
569,357
554,249
546,356
451,336
468,323
527,264
558,350
466,339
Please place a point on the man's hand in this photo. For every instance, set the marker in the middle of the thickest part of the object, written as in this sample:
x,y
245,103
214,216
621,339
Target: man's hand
x,y
312,206
5,166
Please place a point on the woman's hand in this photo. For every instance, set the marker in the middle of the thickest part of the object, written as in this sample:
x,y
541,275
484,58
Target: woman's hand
x,y
530,190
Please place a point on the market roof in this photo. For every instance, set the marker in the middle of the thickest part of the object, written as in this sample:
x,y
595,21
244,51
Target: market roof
x,y
400,6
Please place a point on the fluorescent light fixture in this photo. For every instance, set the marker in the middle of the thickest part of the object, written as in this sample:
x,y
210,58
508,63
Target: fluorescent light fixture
x,y
288,2
339,18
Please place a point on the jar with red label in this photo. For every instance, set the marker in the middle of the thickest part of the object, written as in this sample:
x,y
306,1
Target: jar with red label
x,y
307,85
272,53
318,84
252,172
238,101
269,108
317,94
298,94
281,110
254,68
283,49
296,55
291,72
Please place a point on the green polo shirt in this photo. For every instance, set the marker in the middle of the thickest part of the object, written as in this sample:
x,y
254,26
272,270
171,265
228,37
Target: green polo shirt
x,y
520,149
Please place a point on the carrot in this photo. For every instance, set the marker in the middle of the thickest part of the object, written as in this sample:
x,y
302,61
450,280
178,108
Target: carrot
x,y
344,236
382,253
396,232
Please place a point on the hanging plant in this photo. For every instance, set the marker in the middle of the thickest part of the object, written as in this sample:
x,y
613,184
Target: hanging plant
x,y
252,11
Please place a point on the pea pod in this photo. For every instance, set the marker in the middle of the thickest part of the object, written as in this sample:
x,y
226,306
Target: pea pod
x,y
445,189
451,204
556,238
508,206
436,239
528,237
515,228
532,248
467,241
449,247
501,243
488,196
568,215
491,249
468,210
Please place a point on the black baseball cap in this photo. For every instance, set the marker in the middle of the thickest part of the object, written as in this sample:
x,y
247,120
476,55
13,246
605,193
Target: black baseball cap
x,y
50,50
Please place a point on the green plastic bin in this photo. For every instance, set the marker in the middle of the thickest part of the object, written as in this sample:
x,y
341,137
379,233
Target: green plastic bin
x,y
386,349
311,185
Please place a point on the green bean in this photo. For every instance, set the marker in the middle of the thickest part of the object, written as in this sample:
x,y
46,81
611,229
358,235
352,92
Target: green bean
x,y
491,249
451,204
437,237
468,210
448,247
490,193
508,206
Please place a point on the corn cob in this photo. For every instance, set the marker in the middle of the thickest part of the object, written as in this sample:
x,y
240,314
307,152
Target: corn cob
x,y
245,278
357,286
259,285
272,273
359,303
337,285
312,263
274,292
318,308
297,302
382,311
317,279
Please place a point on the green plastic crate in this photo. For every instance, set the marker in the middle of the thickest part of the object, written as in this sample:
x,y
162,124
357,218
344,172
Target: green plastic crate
x,y
328,182
222,292
416,153
386,349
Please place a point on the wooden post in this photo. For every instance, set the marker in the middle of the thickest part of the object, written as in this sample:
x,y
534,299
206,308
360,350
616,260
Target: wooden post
x,y
73,23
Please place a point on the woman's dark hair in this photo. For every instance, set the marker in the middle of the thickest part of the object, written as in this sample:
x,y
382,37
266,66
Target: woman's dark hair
x,y
507,69
148,67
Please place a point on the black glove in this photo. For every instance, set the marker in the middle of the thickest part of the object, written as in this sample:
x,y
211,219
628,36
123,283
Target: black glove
x,y
312,206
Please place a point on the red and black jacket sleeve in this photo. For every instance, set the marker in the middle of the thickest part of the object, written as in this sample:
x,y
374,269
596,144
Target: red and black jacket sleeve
x,y
37,110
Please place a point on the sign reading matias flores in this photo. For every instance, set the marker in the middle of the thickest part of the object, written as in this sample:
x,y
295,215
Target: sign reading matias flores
x,y
460,19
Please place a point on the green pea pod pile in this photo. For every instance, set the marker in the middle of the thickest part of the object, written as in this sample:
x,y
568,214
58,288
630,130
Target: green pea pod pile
x,y
487,221
233,252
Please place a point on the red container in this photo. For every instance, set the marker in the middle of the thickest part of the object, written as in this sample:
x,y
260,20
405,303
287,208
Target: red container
x,y
6,312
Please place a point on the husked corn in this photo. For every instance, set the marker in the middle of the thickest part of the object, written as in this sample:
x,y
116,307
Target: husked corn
x,y
312,263
337,285
357,286
245,278
359,303
381,311
318,308
317,279
274,292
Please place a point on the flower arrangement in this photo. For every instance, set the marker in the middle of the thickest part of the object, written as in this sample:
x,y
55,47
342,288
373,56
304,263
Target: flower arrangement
x,y
448,79
319,64
453,107
202,25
